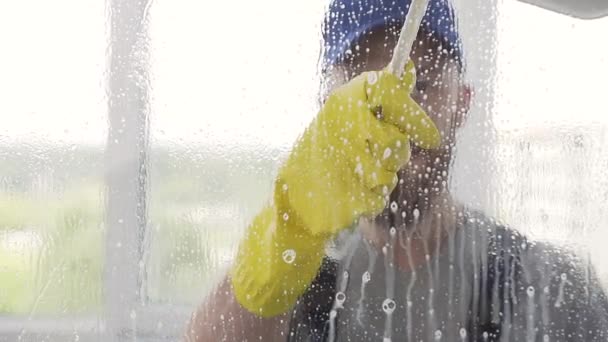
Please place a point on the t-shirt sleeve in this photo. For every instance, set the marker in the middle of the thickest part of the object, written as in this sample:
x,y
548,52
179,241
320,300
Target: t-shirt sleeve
x,y
587,318
557,297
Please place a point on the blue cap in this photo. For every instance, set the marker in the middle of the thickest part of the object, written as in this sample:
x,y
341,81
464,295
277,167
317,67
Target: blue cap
x,y
346,21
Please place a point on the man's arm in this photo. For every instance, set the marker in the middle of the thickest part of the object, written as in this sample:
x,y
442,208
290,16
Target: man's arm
x,y
221,318
576,306
588,313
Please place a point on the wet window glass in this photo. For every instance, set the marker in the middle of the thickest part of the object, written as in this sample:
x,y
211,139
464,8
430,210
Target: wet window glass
x,y
308,171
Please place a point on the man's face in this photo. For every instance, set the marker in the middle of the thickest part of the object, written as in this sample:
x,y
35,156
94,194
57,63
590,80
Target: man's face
x,y
441,92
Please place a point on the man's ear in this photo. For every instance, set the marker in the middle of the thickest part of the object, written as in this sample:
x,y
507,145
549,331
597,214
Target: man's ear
x,y
465,95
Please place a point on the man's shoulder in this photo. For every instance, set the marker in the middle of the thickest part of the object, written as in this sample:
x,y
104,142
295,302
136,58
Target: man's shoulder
x,y
534,264
509,242
552,275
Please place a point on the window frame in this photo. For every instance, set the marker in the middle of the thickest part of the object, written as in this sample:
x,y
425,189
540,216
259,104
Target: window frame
x,y
126,313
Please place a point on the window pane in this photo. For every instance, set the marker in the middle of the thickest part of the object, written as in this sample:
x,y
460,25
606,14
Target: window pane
x,y
506,220
551,133
53,115
226,108
495,229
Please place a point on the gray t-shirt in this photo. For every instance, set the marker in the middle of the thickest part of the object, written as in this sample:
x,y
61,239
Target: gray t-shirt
x,y
487,283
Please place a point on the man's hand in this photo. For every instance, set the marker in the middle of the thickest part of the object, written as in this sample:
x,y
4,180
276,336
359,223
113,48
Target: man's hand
x,y
343,167
345,164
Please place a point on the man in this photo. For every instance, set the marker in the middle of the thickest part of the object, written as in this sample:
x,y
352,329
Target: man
x,y
417,266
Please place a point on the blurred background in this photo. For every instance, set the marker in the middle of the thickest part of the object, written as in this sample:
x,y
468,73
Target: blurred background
x,y
137,141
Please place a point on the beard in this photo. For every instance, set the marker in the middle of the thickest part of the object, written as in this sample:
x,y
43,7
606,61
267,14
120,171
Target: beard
x,y
421,183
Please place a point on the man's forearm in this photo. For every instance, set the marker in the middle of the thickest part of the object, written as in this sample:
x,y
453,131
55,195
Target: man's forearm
x,y
221,318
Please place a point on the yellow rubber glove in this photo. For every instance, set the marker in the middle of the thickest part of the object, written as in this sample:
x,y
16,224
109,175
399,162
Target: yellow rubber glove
x,y
343,167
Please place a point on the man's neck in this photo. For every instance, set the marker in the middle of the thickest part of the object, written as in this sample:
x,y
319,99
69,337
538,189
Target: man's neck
x,y
413,245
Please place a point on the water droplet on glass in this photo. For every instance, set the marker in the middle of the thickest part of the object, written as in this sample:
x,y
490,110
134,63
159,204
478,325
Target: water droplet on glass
x,y
372,78
463,333
333,314
387,153
545,338
438,335
359,169
285,216
388,306
366,277
545,217
560,294
289,256
393,231
340,298
530,291
394,206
